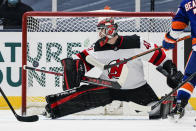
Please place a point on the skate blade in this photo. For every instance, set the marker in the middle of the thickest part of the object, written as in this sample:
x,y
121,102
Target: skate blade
x,y
174,118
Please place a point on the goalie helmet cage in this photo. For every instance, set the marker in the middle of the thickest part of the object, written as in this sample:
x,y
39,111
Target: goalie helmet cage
x,y
46,27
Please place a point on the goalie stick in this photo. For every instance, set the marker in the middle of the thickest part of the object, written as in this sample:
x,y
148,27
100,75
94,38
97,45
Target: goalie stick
x,y
141,54
85,79
18,117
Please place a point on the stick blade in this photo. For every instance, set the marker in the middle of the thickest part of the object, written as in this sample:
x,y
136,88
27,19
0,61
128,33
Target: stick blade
x,y
27,118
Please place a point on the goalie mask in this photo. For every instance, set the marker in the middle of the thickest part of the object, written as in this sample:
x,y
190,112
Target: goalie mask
x,y
108,30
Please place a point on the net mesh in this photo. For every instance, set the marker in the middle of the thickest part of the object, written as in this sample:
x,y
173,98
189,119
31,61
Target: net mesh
x,y
50,39
89,24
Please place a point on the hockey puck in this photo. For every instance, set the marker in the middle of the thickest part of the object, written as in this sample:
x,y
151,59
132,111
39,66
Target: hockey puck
x,y
35,64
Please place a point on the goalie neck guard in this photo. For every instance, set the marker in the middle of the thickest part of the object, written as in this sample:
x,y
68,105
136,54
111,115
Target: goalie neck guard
x,y
110,30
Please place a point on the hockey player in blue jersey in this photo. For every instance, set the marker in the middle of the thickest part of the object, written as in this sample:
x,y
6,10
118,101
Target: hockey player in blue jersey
x,y
185,14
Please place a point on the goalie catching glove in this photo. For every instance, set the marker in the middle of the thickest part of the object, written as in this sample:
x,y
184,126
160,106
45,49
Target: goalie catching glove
x,y
174,77
73,72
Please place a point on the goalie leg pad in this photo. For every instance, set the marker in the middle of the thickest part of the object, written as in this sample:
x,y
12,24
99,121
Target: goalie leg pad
x,y
55,97
73,72
86,97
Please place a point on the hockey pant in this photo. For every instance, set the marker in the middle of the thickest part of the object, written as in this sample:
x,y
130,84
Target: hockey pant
x,y
90,96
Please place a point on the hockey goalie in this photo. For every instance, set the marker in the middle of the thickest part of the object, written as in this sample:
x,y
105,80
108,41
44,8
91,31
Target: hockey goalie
x,y
109,49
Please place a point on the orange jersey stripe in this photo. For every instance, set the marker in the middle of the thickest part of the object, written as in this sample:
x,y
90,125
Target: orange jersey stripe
x,y
188,86
193,41
178,25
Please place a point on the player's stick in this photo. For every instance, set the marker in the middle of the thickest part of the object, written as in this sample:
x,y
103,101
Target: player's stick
x,y
85,79
173,91
141,54
150,108
18,117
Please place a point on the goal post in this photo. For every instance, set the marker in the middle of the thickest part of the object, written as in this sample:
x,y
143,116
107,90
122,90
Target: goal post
x,y
48,37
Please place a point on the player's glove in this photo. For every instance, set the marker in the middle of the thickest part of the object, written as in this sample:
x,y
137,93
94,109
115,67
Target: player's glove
x,y
174,77
174,80
168,42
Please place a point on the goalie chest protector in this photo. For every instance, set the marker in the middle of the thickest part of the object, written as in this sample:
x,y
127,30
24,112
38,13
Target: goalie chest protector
x,y
124,47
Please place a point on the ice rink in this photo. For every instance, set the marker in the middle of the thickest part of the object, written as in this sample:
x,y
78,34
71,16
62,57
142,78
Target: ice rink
x,y
9,123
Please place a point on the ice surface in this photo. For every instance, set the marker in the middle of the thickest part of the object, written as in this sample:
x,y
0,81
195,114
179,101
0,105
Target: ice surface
x,y
9,123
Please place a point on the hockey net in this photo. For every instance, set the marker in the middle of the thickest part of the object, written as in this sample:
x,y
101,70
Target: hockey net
x,y
49,37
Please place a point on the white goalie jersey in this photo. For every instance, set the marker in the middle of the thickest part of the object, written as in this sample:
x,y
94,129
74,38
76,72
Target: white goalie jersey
x,y
130,75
